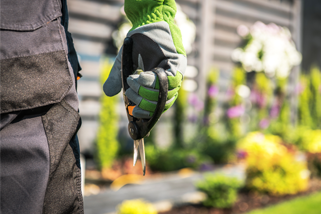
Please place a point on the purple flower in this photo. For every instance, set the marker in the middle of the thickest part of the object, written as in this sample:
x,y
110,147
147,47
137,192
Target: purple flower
x,y
206,120
195,102
192,118
230,92
193,99
320,89
253,96
206,167
275,110
264,123
258,98
213,91
261,101
235,111
191,159
241,154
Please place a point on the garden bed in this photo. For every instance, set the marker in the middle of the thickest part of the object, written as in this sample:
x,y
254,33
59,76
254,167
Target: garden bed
x,y
246,201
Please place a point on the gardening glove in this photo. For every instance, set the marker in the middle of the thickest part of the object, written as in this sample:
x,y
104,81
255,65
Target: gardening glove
x,y
157,42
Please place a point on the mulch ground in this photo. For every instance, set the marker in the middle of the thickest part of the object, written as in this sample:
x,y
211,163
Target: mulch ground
x,y
246,202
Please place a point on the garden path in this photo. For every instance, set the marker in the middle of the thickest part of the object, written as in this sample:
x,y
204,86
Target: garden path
x,y
163,192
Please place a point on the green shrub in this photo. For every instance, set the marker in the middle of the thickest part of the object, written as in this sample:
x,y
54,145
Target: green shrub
x,y
314,164
304,111
179,118
220,149
310,140
174,159
315,87
136,207
106,142
221,190
271,167
233,123
215,138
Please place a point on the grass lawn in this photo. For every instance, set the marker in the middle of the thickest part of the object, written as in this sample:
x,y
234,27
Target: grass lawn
x,y
304,205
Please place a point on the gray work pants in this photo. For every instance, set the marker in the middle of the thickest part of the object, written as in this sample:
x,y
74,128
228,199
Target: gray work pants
x,y
39,166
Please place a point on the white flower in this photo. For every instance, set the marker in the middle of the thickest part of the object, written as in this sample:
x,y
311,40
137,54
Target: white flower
x,y
237,54
243,91
269,49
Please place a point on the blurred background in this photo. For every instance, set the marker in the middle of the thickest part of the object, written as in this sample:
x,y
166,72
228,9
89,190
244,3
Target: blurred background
x,y
247,119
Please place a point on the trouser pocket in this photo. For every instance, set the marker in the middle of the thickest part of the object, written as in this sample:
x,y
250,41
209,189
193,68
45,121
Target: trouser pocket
x,y
63,194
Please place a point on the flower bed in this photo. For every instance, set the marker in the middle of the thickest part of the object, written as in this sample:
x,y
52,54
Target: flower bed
x,y
246,201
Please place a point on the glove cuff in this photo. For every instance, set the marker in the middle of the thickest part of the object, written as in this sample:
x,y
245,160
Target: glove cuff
x,y
145,15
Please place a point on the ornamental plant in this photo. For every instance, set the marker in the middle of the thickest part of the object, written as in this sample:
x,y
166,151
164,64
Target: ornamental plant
x,y
304,111
221,190
267,48
174,158
106,142
220,130
310,141
136,207
272,167
315,102
235,105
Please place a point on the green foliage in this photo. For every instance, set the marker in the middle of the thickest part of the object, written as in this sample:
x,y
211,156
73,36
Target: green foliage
x,y
239,77
263,84
136,207
271,167
281,126
221,190
210,101
106,142
304,102
215,143
233,125
174,159
315,88
179,115
310,140
220,148
314,164
306,204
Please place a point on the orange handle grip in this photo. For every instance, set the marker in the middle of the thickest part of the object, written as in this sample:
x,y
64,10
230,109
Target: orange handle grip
x,y
130,110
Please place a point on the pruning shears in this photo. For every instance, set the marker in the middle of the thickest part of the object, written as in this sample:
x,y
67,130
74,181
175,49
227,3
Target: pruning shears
x,y
139,128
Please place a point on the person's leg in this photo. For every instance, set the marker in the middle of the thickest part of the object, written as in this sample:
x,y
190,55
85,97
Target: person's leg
x,y
63,194
24,165
40,168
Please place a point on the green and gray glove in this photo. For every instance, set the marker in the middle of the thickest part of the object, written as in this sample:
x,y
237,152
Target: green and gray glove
x,y
157,42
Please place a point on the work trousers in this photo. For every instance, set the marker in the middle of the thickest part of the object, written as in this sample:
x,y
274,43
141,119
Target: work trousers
x,y
39,149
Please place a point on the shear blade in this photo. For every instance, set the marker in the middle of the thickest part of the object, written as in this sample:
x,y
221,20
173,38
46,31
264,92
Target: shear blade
x,y
136,145
142,154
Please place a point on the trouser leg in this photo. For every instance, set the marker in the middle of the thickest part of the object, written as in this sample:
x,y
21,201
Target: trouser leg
x,y
24,165
40,167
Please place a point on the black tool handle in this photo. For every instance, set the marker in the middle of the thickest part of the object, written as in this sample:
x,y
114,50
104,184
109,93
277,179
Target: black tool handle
x,y
139,128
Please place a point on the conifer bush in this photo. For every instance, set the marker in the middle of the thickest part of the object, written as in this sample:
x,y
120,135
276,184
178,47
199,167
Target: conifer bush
x,y
221,190
106,142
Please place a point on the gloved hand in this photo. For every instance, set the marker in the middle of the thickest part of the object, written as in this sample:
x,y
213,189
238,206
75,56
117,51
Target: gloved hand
x,y
157,42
